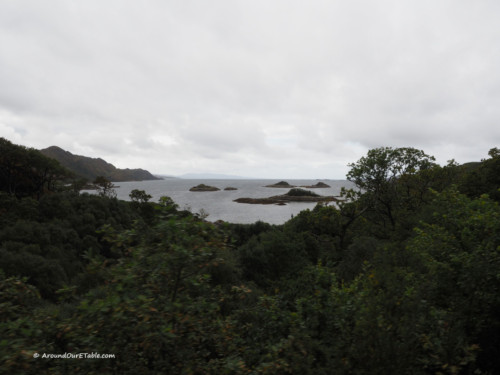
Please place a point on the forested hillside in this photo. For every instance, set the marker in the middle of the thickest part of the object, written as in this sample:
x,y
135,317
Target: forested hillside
x,y
90,168
402,277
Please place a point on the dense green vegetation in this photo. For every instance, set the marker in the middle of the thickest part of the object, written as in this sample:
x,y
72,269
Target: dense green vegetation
x,y
91,168
25,172
400,278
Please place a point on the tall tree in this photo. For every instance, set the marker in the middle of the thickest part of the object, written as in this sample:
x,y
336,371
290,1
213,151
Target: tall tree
x,y
391,177
105,187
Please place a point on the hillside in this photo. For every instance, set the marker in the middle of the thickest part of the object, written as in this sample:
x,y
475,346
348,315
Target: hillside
x,y
90,168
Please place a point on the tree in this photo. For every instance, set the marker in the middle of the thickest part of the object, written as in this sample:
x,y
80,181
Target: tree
x,y
139,196
391,178
462,241
162,285
272,255
485,179
105,187
494,152
25,172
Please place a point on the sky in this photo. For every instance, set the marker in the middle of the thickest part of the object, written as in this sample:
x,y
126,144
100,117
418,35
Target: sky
x,y
256,88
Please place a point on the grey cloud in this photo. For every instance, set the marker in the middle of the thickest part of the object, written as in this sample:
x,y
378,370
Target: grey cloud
x,y
264,88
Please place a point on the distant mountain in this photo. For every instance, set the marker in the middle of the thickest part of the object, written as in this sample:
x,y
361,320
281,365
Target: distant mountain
x,y
213,176
166,176
90,168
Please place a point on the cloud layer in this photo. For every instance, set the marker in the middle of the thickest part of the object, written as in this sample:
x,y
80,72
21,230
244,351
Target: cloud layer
x,y
263,88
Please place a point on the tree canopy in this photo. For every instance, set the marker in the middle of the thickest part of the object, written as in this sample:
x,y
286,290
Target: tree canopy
x,y
336,289
25,172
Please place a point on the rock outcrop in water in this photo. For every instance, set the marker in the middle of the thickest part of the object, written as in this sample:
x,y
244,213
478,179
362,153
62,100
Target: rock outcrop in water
x,y
319,185
203,187
281,184
294,195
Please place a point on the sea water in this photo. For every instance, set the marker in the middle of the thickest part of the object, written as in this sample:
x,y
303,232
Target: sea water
x,y
220,205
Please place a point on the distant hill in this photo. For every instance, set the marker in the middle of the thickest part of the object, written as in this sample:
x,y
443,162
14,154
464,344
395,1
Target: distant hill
x,y
213,176
165,176
90,168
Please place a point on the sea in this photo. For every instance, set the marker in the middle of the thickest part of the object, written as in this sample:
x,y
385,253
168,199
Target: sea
x,y
220,205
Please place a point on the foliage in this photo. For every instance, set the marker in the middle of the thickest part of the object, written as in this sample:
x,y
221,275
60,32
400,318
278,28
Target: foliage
x,y
48,240
461,245
25,172
162,285
105,188
485,178
392,178
337,289
140,200
139,196
241,233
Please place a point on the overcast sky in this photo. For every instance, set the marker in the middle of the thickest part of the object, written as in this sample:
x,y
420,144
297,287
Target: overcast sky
x,y
275,89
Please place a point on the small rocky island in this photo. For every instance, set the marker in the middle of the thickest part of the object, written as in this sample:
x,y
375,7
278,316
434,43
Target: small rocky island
x,y
294,195
230,188
203,187
319,185
281,184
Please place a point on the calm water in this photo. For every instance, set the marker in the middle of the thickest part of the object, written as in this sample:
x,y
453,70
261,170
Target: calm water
x,y
219,204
